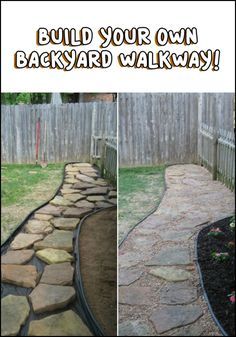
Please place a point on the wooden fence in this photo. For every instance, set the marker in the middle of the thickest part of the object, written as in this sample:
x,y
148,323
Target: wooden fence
x,y
65,130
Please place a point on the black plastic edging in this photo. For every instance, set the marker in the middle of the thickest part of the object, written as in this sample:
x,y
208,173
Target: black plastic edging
x,y
147,215
96,329
92,324
222,330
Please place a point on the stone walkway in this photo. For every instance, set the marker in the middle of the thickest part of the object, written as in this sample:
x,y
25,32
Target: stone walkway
x,y
159,291
38,296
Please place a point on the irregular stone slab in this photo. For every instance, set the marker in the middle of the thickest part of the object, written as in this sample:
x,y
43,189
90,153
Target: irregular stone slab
x,y
128,276
59,274
95,191
113,201
100,182
73,212
195,329
82,185
23,240
85,179
60,201
38,227
135,295
50,255
170,256
66,323
178,293
175,235
67,186
82,165
170,273
71,180
51,210
72,169
91,174
170,317
112,194
74,197
17,257
66,191
43,217
14,313
101,204
59,239
23,276
130,259
66,223
95,198
134,328
47,297
85,203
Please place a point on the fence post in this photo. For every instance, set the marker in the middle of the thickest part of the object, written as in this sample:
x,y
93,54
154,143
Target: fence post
x,y
103,156
199,143
215,141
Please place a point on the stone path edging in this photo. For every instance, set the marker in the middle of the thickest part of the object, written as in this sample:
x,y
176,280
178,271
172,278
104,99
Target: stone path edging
x,y
158,259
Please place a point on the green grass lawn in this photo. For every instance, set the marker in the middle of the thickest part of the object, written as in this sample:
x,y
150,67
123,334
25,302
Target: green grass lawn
x,y
23,188
140,190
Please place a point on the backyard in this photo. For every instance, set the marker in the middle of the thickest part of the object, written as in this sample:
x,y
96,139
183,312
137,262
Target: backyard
x,y
140,191
23,188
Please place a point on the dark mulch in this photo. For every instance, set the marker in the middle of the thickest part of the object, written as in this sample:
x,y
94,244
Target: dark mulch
x,y
219,277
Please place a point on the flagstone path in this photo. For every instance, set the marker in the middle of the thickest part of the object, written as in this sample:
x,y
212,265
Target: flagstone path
x,y
159,291
38,296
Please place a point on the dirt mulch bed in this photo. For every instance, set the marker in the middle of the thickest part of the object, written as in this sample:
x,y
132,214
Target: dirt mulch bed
x,y
219,277
98,256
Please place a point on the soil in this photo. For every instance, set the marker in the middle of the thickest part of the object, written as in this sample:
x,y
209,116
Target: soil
x,y
219,277
98,256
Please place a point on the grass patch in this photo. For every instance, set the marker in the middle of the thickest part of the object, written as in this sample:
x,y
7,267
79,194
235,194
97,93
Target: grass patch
x,y
140,190
23,188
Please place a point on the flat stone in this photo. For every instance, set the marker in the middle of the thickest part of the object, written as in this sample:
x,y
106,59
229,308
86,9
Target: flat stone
x,y
128,276
72,169
112,194
95,191
91,174
59,239
17,257
95,198
65,223
59,274
74,197
113,201
67,186
101,204
60,201
170,273
82,185
195,329
85,179
66,323
135,295
46,297
129,259
38,227
50,255
14,313
82,165
175,235
170,256
85,203
73,212
71,180
23,240
100,182
51,210
171,317
65,191
134,328
43,217
178,293
23,276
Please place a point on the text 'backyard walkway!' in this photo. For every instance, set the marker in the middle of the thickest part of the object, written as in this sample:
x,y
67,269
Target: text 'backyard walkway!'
x,y
159,291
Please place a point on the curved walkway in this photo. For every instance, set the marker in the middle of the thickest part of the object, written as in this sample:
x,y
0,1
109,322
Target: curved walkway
x,y
159,290
37,290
